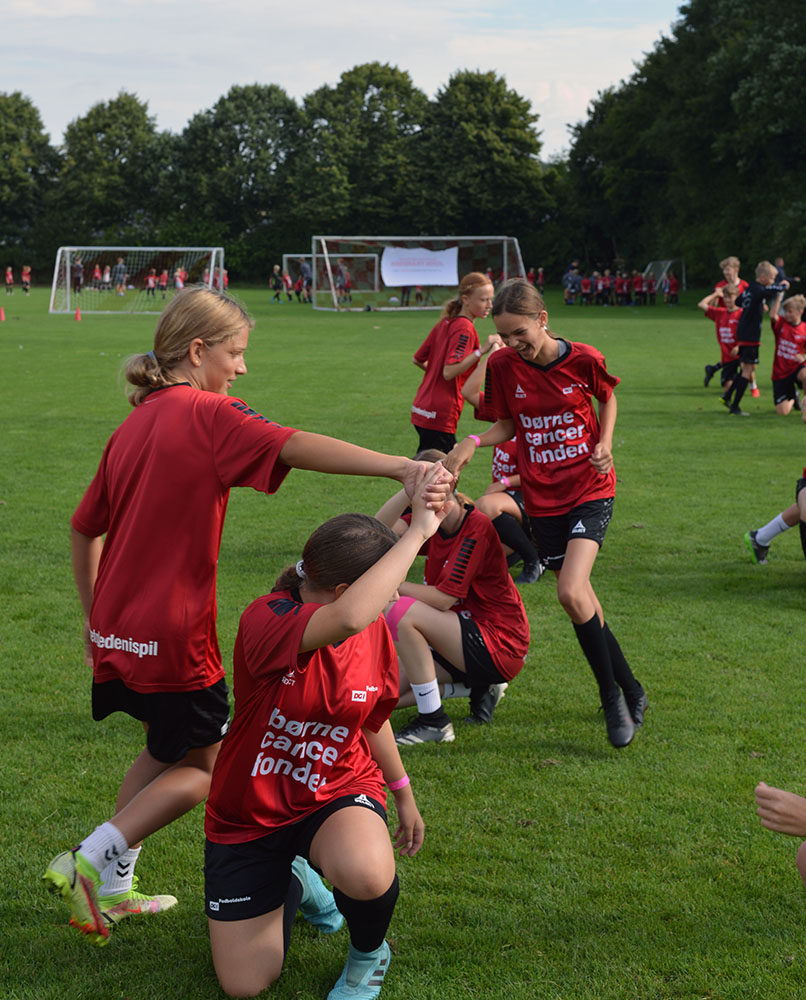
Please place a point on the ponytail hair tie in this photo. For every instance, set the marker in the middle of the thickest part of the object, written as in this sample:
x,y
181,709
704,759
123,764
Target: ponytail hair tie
x,y
153,356
300,571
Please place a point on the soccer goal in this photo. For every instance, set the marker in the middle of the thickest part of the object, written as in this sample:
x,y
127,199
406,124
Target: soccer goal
x,y
659,269
363,269
130,279
411,272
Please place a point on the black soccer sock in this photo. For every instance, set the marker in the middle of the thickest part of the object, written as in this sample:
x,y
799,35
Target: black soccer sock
x,y
802,526
290,910
740,383
591,637
621,669
513,535
368,919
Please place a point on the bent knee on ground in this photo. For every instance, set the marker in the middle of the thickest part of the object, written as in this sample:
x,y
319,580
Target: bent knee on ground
x,y
240,983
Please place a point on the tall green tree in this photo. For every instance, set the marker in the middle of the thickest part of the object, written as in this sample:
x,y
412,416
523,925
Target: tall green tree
x,y
230,179
478,168
107,181
355,163
27,162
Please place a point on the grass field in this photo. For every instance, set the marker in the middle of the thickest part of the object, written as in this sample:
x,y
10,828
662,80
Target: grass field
x,y
554,866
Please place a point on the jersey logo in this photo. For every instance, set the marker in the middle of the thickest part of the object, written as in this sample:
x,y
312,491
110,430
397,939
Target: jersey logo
x,y
568,390
359,695
362,800
289,678
519,393
578,529
283,606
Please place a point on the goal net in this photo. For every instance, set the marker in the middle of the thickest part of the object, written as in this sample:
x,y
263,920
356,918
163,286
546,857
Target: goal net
x,y
130,279
408,272
364,269
660,269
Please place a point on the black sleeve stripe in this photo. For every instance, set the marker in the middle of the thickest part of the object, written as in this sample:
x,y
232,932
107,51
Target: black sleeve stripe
x,y
462,559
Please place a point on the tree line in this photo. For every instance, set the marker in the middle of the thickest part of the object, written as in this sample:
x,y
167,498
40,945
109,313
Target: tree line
x,y
697,155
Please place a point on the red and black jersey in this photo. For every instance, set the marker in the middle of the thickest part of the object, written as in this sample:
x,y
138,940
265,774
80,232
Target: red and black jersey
x,y
741,284
295,742
160,495
438,403
726,324
555,423
790,341
470,565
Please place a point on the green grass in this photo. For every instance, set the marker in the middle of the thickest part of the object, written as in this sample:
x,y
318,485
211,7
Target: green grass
x,y
554,866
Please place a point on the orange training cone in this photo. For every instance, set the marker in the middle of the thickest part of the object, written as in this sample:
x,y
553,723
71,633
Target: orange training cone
x,y
78,314
2,315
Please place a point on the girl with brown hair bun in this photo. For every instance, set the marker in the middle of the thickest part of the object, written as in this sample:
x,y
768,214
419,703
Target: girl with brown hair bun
x,y
300,777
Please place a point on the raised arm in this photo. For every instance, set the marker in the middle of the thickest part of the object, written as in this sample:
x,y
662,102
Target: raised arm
x,y
463,451
450,372
709,300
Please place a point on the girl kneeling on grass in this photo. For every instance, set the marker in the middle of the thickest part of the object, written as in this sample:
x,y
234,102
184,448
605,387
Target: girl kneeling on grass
x,y
301,775
466,623
541,388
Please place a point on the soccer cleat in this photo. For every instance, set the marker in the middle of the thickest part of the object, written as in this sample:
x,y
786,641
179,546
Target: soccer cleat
x,y
72,877
637,704
620,727
317,904
362,975
757,551
755,392
531,572
736,412
418,731
483,701
117,907
710,371
725,401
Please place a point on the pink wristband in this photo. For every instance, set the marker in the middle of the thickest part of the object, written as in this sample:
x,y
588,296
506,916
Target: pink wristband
x,y
504,480
395,786
475,439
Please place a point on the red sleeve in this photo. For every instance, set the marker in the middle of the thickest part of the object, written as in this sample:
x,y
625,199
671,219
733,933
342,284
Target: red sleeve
x,y
462,564
484,411
602,383
91,517
494,385
463,340
424,350
247,447
270,634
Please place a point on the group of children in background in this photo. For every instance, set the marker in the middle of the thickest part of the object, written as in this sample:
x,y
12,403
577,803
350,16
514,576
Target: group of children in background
x,y
25,280
603,288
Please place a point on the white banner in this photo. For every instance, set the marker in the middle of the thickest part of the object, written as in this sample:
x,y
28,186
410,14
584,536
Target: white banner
x,y
403,267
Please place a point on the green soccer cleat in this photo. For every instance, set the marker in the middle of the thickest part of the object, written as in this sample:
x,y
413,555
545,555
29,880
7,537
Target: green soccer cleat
x,y
317,904
72,877
117,907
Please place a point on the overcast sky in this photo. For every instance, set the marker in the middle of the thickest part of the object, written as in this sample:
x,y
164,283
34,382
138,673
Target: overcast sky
x,y
182,55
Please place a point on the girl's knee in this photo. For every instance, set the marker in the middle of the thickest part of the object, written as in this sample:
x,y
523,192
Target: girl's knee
x,y
239,983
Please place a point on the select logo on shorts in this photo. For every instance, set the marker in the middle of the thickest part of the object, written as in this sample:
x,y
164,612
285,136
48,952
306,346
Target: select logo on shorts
x,y
216,904
359,695
578,529
362,800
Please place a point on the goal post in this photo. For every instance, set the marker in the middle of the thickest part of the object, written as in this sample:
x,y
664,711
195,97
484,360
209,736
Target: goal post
x,y
659,269
364,268
410,272
125,280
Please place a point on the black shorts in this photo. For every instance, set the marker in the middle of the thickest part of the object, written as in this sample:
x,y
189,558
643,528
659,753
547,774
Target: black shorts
x,y
250,879
441,440
748,353
552,534
178,721
727,373
517,496
785,388
480,670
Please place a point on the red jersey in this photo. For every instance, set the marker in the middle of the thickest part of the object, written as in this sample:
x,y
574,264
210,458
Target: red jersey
x,y
638,283
555,423
295,742
586,285
505,460
726,324
741,283
151,281
160,496
438,403
789,342
472,567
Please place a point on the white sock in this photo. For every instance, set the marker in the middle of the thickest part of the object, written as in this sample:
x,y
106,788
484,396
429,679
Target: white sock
x,y
103,846
427,697
766,534
456,690
117,877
